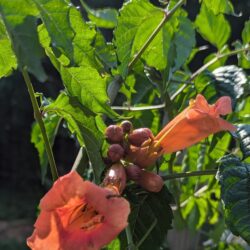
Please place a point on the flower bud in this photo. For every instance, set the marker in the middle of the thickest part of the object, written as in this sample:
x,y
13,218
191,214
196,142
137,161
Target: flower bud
x,y
115,152
142,156
150,181
138,136
133,172
127,127
115,178
114,134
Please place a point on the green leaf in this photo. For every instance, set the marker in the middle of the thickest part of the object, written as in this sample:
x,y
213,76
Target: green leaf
x,y
184,41
114,245
105,51
150,218
220,6
213,28
81,122
104,18
136,18
243,132
20,20
234,178
246,33
55,16
8,61
231,81
89,87
51,122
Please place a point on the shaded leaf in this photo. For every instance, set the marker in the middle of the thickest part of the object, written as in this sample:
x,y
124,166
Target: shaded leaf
x,y
104,18
213,28
51,122
20,20
234,178
81,122
8,61
243,132
150,218
184,41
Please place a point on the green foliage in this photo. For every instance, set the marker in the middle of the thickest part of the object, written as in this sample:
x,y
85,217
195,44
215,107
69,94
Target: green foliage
x,y
20,20
81,122
88,65
243,132
8,60
150,218
212,27
234,179
104,18
51,123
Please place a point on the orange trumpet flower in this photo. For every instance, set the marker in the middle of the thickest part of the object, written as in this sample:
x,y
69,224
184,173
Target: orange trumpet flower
x,y
78,215
195,123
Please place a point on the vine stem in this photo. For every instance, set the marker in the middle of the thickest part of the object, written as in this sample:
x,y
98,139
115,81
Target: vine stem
x,y
205,66
38,117
167,15
130,242
190,174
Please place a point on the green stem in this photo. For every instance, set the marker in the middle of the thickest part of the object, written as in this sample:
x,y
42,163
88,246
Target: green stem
x,y
40,122
190,174
167,16
130,242
205,66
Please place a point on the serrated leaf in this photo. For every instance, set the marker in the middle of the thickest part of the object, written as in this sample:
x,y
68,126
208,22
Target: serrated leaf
x,y
220,6
8,61
184,41
105,51
243,132
83,82
150,216
51,123
104,18
137,20
234,178
55,16
20,20
89,87
81,122
231,81
213,28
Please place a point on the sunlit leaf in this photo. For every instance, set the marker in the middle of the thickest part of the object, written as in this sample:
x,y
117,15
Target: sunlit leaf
x,y
213,28
20,20
220,6
104,18
234,178
81,122
51,122
8,61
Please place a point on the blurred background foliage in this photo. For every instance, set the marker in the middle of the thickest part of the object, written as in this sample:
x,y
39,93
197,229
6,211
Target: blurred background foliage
x,y
20,173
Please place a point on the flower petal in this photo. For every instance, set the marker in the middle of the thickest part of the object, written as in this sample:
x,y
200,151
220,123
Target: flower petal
x,y
223,106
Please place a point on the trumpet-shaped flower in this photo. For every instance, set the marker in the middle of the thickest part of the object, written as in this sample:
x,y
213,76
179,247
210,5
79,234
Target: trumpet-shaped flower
x,y
78,215
195,123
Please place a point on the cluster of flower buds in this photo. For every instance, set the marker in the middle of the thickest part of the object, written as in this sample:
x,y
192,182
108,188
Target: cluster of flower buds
x,y
129,155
